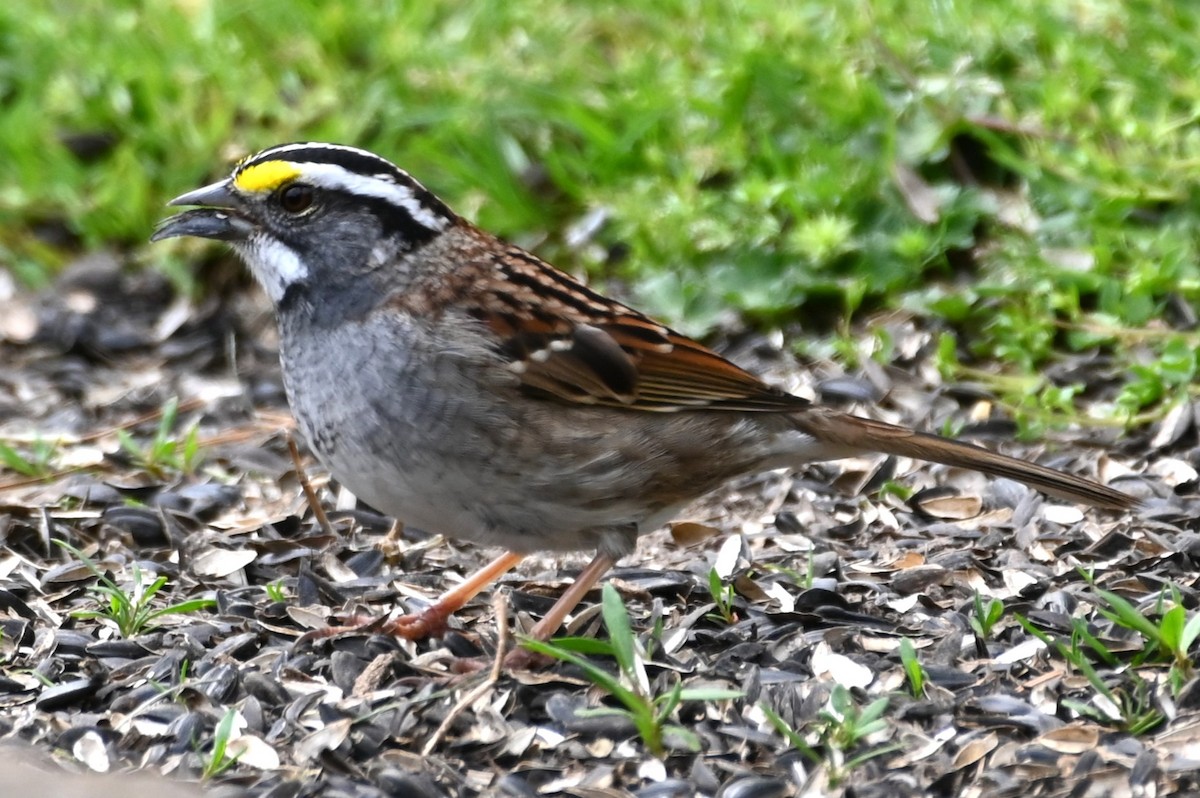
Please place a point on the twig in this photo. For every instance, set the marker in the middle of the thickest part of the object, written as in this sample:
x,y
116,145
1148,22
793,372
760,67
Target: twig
x,y
500,609
306,486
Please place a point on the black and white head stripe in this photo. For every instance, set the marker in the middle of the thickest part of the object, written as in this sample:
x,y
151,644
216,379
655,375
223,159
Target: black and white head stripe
x,y
341,168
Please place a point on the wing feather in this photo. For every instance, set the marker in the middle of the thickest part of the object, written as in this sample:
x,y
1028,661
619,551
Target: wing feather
x,y
579,347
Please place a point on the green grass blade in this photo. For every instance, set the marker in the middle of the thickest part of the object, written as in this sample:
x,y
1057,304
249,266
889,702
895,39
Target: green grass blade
x,y
620,631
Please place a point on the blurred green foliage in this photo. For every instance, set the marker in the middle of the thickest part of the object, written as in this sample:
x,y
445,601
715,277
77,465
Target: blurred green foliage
x,y
1020,173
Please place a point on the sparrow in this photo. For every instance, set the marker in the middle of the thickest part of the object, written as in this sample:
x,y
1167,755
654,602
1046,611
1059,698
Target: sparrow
x,y
465,386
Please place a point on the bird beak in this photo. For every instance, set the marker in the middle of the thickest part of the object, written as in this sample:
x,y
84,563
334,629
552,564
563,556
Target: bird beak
x,y
217,195
212,220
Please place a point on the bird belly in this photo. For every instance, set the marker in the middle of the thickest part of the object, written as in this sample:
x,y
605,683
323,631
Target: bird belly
x,y
448,446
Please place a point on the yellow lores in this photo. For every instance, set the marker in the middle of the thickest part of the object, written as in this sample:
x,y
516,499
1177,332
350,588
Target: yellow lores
x,y
265,177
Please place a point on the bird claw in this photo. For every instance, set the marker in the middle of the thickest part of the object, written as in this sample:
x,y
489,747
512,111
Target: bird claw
x,y
417,626
414,626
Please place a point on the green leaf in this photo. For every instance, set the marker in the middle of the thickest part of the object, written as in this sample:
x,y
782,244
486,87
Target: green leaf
x,y
586,645
184,607
1170,629
1080,630
873,712
912,667
1127,615
1190,631
218,760
1089,711
598,676
668,702
715,586
602,712
620,632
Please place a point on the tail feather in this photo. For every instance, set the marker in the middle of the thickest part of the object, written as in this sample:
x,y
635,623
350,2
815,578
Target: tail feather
x,y
865,435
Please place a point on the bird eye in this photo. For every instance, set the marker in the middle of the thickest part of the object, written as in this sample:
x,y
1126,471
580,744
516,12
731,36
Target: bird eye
x,y
296,198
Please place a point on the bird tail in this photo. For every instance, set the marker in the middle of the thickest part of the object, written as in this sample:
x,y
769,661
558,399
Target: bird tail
x,y
851,434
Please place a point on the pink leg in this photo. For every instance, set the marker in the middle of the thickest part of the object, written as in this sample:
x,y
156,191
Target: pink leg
x,y
545,628
432,621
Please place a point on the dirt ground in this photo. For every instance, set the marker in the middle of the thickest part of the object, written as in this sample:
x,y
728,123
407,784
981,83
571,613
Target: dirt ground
x,y
832,568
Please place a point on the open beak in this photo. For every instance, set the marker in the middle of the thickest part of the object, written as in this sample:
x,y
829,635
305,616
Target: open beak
x,y
212,220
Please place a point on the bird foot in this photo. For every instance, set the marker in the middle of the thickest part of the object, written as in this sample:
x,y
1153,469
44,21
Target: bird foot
x,y
414,626
418,626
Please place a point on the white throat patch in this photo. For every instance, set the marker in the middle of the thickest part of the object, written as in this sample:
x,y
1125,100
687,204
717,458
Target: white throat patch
x,y
274,264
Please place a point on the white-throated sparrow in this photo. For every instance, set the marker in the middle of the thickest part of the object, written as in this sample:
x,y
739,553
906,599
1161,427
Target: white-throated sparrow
x,y
466,387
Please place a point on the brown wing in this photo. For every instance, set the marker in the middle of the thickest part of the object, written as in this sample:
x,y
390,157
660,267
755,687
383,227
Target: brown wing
x,y
571,344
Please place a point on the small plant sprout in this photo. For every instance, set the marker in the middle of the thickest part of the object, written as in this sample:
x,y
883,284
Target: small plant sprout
x,y
219,758
275,591
840,729
650,714
130,611
1128,706
723,597
898,489
165,452
1170,634
849,724
986,616
913,671
804,580
35,461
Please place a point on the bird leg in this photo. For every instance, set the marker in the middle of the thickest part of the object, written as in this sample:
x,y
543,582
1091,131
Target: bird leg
x,y
520,658
432,620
